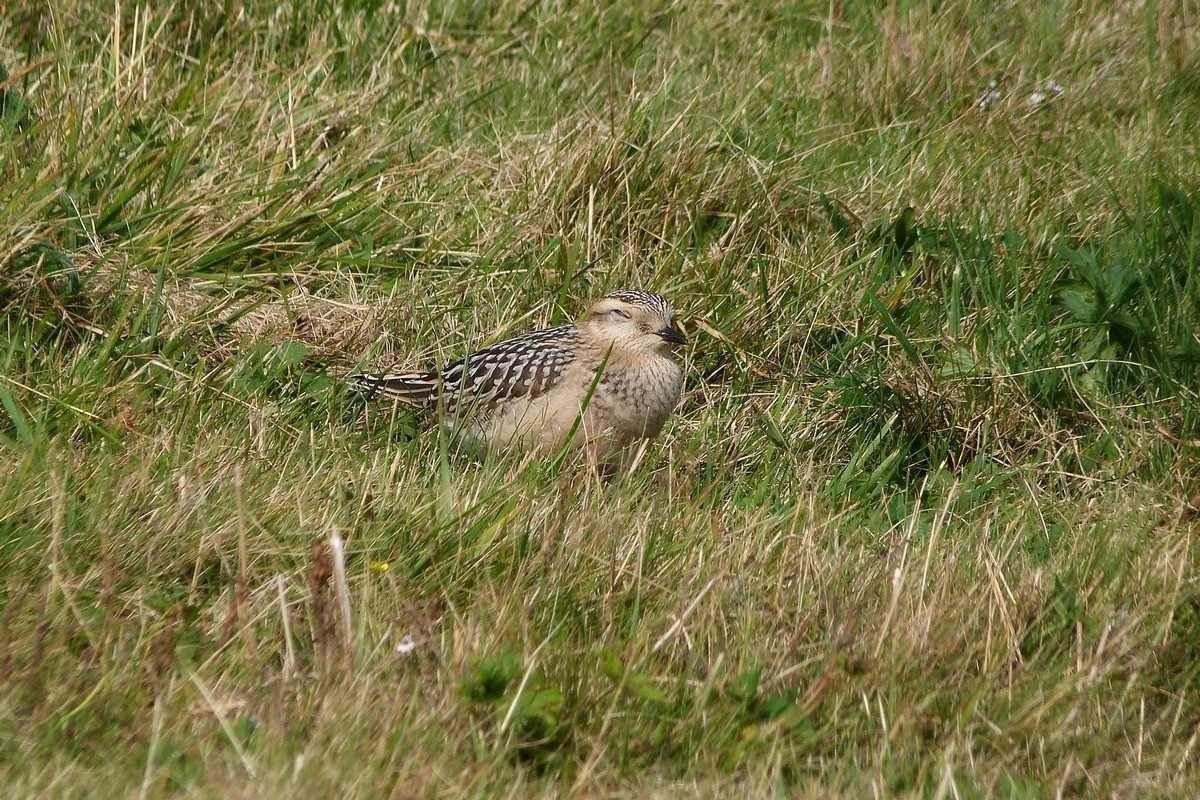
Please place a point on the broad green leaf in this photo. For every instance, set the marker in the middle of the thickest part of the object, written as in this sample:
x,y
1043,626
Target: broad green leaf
x,y
1081,301
16,416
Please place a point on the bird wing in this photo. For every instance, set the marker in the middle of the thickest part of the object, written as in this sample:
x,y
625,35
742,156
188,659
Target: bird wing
x,y
524,366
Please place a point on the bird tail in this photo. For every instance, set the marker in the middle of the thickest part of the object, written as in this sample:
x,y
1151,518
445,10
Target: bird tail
x,y
415,388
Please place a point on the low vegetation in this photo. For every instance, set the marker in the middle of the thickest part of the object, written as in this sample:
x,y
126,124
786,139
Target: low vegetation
x,y
924,525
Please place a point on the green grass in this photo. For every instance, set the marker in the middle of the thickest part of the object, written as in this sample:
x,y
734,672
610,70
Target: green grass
x,y
923,527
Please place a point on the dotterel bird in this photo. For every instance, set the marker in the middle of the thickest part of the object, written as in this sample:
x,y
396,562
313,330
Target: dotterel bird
x,y
613,372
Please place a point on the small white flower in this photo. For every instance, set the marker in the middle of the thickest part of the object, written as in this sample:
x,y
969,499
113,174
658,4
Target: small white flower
x,y
991,95
406,645
1047,90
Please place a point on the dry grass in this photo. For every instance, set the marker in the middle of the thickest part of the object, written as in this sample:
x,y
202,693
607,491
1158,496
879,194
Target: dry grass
x,y
921,527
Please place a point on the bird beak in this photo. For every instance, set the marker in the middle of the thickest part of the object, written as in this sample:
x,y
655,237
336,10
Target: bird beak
x,y
672,334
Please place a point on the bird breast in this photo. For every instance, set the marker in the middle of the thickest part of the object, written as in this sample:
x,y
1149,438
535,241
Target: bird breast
x,y
637,398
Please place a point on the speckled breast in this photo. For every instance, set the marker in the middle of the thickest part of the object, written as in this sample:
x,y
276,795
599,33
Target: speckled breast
x,y
638,401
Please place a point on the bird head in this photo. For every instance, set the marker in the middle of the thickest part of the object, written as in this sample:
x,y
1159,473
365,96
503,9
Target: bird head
x,y
634,321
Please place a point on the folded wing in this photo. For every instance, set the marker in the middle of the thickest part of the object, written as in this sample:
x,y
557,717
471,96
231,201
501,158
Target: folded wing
x,y
525,366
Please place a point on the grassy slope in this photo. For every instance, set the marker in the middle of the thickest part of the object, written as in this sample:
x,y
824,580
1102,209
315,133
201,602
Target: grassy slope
x,y
921,528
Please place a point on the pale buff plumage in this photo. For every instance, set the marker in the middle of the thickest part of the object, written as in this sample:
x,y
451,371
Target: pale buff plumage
x,y
611,378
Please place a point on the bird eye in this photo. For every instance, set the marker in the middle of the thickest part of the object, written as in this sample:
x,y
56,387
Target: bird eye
x,y
620,313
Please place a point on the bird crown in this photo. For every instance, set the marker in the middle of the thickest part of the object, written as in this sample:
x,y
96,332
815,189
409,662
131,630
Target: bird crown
x,y
648,300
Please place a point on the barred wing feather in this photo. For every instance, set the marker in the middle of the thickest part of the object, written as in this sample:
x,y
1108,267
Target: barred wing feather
x,y
524,366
